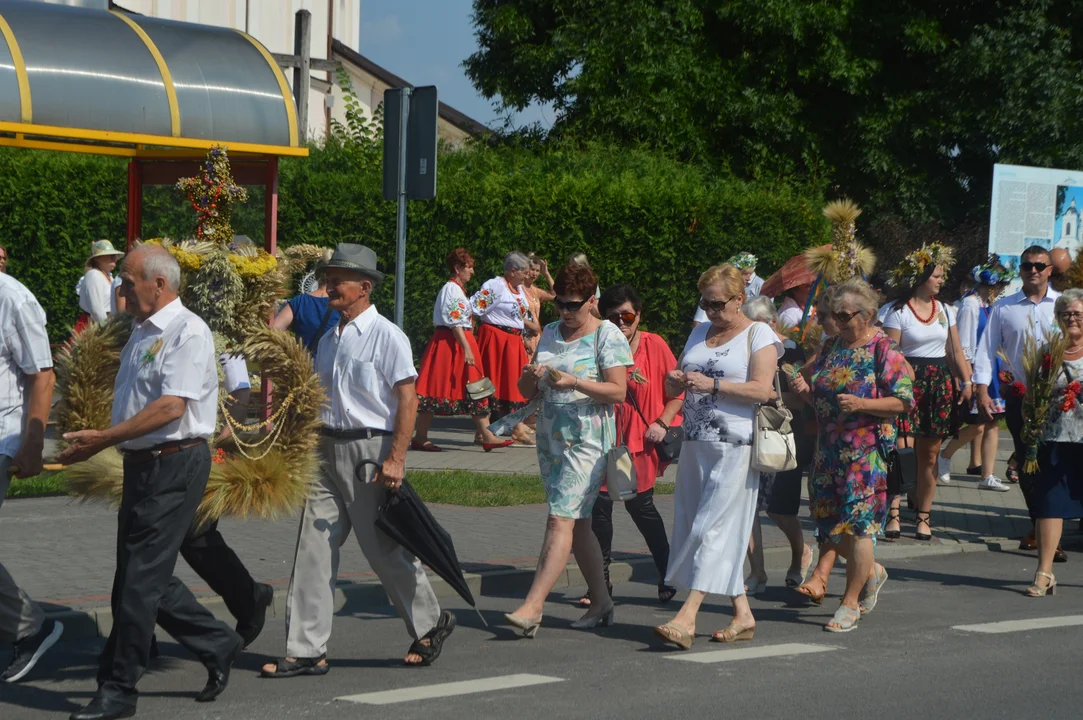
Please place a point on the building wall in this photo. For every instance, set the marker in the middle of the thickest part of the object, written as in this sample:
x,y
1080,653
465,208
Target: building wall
x,y
370,93
269,21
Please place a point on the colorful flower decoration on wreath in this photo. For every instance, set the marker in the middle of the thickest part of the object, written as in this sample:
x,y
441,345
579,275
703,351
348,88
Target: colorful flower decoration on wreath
x,y
743,261
914,265
993,272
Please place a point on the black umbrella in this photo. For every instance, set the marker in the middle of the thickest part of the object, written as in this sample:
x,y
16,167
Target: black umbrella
x,y
405,519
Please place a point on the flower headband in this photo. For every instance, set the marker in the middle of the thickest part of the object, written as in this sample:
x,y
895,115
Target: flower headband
x,y
914,265
743,261
992,272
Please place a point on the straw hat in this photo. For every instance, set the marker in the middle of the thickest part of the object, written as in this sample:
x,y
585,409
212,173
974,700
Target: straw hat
x,y
100,248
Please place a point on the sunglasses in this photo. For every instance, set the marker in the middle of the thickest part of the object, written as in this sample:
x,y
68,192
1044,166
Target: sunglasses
x,y
570,305
625,317
843,318
714,305
1036,266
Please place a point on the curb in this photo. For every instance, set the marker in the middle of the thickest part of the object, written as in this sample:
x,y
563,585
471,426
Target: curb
x,y
367,595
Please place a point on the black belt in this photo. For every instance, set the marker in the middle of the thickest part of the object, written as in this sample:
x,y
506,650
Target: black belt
x,y
928,361
153,453
505,328
352,434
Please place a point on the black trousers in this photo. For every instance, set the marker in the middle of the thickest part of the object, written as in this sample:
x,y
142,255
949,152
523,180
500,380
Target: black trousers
x,y
206,552
1013,418
156,511
645,516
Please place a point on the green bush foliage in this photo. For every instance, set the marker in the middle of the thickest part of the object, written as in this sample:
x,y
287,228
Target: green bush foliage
x,y
642,217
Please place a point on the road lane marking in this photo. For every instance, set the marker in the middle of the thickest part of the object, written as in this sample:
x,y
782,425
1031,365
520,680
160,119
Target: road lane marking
x,y
1009,626
753,653
467,687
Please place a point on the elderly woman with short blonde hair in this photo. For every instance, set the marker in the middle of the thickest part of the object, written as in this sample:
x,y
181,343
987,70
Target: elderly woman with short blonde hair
x,y
857,383
728,365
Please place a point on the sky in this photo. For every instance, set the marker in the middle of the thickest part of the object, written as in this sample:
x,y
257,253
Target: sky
x,y
425,43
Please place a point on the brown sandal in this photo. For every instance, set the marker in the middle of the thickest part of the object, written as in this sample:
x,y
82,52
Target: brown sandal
x,y
674,634
806,590
733,634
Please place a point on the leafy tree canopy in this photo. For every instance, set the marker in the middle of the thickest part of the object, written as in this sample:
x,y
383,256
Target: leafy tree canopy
x,y
903,104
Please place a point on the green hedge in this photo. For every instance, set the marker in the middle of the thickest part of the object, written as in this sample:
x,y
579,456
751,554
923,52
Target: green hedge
x,y
643,218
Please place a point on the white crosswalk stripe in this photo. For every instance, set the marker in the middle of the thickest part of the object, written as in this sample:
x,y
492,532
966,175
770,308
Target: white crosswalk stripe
x,y
467,687
752,653
1010,626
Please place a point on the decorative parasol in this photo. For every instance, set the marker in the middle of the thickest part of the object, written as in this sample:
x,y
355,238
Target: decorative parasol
x,y
795,273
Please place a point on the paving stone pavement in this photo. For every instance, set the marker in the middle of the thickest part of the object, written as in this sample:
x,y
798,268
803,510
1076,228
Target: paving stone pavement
x,y
61,551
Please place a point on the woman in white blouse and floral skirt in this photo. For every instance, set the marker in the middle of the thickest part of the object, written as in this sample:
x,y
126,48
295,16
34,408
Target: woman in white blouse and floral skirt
x,y
451,361
504,310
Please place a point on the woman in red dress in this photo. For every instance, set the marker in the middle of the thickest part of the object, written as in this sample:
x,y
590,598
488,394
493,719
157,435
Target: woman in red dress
x,y
450,361
502,306
640,430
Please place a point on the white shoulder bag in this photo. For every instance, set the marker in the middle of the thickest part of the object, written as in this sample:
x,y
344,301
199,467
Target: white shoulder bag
x,y
620,471
773,448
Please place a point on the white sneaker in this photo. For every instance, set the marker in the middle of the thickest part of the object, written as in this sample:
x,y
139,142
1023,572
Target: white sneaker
x,y
943,469
993,483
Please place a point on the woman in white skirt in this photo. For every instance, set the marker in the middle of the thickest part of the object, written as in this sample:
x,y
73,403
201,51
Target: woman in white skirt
x,y
728,366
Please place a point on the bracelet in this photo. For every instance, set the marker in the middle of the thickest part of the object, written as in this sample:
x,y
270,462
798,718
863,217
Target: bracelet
x,y
576,384
715,391
662,424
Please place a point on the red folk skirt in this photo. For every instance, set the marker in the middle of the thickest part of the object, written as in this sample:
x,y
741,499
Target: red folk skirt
x,y
503,357
441,382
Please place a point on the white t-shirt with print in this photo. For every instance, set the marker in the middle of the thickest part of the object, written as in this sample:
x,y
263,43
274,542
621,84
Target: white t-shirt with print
x,y
918,340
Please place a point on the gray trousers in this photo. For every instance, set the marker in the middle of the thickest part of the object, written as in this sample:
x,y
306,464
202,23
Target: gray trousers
x,y
20,617
337,503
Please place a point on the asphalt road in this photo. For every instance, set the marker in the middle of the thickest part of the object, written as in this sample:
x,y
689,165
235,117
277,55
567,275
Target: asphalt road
x,y
908,659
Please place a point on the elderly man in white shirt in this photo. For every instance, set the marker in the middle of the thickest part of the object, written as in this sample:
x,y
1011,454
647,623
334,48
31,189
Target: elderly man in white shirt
x,y
164,409
26,388
366,367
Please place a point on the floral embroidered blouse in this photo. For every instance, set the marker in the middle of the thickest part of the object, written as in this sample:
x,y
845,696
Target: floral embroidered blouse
x,y
496,304
452,308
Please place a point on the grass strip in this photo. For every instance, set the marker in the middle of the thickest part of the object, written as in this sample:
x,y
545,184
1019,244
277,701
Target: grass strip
x,y
451,487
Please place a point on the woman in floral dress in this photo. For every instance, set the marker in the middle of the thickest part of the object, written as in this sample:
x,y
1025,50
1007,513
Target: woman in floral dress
x,y
580,371
856,384
450,361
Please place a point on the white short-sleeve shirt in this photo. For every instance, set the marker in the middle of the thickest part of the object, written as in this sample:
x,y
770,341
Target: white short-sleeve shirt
x,y
169,353
96,294
452,308
359,364
719,419
496,304
918,340
24,350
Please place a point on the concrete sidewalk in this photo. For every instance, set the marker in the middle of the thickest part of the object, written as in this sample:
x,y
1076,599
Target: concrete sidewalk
x,y
62,551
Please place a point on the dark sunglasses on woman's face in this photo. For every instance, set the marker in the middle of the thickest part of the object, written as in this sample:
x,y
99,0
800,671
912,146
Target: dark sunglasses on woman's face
x,y
569,305
625,317
714,305
842,318
1035,266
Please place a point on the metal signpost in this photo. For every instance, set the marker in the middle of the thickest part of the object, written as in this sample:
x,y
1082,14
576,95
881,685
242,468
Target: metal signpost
x,y
409,164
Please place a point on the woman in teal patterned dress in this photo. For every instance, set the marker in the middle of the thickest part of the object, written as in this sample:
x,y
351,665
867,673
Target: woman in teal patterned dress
x,y
857,383
579,370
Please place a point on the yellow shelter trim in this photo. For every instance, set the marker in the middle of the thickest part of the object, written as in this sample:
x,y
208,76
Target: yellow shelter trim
x,y
26,107
85,138
283,86
167,77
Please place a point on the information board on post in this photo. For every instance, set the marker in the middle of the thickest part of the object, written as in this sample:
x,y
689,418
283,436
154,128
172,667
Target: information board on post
x,y
1034,206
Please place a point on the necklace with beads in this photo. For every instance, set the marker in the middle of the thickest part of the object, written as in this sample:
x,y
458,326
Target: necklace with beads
x,y
922,320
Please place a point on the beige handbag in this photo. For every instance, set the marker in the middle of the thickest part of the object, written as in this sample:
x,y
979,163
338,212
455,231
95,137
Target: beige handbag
x,y
620,472
773,446
479,389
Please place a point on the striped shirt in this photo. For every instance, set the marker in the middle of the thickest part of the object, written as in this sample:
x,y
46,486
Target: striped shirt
x,y
24,350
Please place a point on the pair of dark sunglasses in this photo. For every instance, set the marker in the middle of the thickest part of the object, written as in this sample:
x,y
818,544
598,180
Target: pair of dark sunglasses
x,y
842,318
714,305
625,317
1036,266
570,305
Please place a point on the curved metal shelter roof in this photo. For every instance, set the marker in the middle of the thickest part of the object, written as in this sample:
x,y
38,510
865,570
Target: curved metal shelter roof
x,y
109,82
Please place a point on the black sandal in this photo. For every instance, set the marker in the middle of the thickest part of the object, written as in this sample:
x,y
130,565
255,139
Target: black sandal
x,y
436,638
285,668
928,522
665,593
893,534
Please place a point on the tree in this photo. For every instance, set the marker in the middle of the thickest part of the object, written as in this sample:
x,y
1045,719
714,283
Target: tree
x,y
902,104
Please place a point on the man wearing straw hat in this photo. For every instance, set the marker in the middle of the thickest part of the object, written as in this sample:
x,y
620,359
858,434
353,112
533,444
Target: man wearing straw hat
x,y
164,409
366,367
26,389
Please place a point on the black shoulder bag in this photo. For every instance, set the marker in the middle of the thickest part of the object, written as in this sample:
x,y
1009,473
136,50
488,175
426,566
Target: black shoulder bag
x,y
669,449
902,463
314,343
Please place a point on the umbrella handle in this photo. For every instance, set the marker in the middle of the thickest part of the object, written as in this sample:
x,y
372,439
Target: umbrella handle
x,y
359,474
